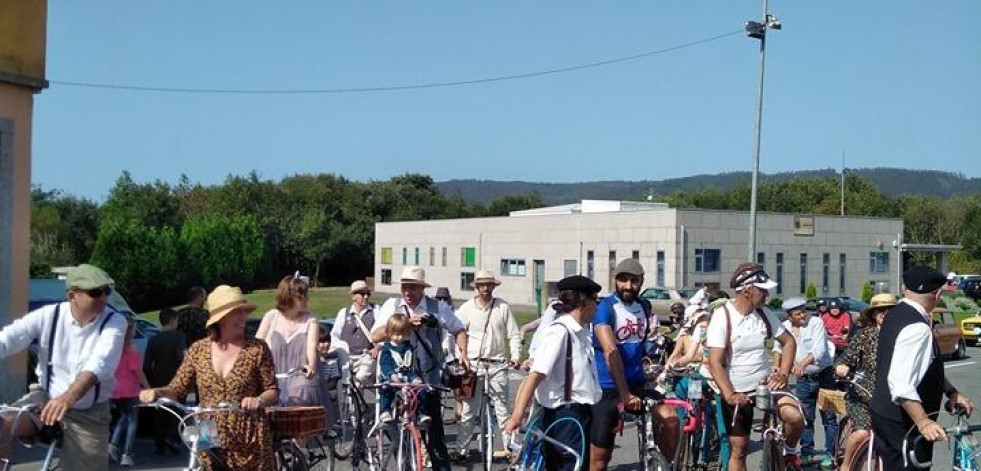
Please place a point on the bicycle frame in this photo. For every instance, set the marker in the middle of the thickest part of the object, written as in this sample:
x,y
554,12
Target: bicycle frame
x,y
13,440
188,433
484,423
965,455
360,451
529,452
773,423
407,429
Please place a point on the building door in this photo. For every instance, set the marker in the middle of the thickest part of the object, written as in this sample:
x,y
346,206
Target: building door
x,y
539,281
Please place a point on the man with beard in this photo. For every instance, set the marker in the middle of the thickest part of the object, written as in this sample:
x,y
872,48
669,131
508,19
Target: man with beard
x,y
620,330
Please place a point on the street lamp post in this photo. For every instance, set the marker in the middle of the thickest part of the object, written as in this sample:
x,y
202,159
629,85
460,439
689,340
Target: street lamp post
x,y
758,31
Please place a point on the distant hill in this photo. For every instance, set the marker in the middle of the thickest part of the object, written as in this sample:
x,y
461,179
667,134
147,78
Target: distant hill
x,y
892,182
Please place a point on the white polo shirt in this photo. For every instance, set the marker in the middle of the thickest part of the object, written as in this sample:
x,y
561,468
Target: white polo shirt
x,y
750,362
549,360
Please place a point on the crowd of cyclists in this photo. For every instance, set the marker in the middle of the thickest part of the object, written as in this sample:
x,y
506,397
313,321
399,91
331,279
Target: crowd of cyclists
x,y
591,361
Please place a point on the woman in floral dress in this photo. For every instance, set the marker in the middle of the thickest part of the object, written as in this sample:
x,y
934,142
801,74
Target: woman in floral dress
x,y
859,357
227,367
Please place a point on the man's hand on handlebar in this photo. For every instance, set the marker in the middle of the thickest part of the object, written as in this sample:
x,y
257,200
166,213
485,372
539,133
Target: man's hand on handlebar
x,y
631,402
931,430
737,399
960,401
55,409
777,381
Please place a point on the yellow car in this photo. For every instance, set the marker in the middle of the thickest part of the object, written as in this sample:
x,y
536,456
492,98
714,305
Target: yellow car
x,y
950,339
971,328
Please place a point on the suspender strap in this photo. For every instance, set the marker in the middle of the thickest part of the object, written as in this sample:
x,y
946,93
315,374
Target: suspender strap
x,y
51,338
568,366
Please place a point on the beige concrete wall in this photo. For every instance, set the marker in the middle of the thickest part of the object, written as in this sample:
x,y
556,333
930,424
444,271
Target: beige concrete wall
x,y
16,105
556,238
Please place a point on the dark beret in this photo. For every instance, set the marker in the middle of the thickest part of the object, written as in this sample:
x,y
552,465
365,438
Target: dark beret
x,y
923,279
578,283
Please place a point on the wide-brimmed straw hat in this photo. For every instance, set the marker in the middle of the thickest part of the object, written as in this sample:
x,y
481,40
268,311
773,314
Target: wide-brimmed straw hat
x,y
413,275
879,301
484,276
225,299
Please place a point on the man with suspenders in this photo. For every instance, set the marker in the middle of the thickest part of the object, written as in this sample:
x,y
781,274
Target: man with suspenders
x,y
429,318
352,329
81,341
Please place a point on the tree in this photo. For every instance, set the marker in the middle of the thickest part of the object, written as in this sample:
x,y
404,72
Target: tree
x,y
220,249
505,204
143,261
811,291
867,292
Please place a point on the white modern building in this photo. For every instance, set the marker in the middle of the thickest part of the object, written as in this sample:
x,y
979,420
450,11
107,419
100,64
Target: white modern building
x,y
678,248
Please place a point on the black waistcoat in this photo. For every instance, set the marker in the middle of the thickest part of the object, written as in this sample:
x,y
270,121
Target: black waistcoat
x,y
931,387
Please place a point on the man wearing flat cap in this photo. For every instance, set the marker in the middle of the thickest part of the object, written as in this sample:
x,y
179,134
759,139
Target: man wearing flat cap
x,y
430,321
910,381
81,341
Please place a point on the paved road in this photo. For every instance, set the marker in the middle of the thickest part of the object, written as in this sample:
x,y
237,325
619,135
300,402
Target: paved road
x,y
962,373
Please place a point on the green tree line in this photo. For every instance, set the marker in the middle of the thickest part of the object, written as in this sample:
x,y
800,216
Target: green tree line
x,y
157,239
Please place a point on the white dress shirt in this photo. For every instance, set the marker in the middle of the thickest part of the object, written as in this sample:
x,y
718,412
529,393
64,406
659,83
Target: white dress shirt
x,y
549,360
500,326
548,316
447,319
911,358
749,363
813,340
76,349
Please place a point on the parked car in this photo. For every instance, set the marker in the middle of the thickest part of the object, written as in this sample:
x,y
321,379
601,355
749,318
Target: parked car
x,y
661,300
971,329
950,339
971,288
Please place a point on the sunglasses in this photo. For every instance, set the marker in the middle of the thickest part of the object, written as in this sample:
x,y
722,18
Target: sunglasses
x,y
98,292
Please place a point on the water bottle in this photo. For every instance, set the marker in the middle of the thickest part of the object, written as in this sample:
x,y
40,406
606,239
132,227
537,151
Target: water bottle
x,y
763,396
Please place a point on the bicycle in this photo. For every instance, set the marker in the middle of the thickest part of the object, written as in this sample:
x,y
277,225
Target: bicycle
x,y
650,454
200,432
47,435
864,453
293,428
700,445
353,422
485,420
773,437
405,441
967,450
529,453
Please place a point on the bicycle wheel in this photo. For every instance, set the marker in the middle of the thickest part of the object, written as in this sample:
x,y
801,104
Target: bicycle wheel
x,y
687,448
348,417
861,457
410,450
487,440
651,458
289,457
772,458
844,431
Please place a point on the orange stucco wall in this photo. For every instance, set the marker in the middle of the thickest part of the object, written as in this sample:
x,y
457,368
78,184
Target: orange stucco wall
x,y
23,30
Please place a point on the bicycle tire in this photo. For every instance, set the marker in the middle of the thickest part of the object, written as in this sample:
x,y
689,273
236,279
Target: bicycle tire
x,y
686,452
772,457
487,441
289,457
860,458
844,431
410,450
348,417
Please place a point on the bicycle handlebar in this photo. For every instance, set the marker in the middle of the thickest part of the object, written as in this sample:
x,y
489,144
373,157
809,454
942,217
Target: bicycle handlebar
x,y
952,432
566,448
292,372
396,385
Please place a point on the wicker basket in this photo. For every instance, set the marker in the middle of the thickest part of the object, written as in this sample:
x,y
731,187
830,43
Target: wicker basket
x,y
830,400
297,422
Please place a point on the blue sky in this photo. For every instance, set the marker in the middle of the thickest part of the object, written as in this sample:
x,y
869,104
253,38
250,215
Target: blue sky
x,y
893,83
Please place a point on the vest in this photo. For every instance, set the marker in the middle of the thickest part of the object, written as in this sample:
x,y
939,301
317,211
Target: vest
x,y
931,387
428,341
351,332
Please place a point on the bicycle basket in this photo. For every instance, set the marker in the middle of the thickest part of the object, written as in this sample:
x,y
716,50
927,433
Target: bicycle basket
x,y
297,422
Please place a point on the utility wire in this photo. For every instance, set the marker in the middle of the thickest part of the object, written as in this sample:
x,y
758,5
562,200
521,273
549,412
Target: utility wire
x,y
219,91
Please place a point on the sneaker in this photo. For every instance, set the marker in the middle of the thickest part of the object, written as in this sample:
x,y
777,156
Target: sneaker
x,y
501,454
425,420
385,417
113,452
458,456
126,461
827,463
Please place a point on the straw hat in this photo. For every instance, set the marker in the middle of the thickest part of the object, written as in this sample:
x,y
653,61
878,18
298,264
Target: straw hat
x,y
360,286
225,299
883,300
484,276
413,275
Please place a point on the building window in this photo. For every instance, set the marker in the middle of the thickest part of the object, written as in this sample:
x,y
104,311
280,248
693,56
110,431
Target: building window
x,y
570,267
468,257
761,259
779,273
707,260
803,273
635,255
660,268
417,255
841,273
590,259
465,281
432,256
386,276
612,267
513,267
405,255
879,262
825,272
386,255
444,256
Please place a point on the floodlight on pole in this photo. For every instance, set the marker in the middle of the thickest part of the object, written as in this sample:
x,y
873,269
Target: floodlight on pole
x,y
757,30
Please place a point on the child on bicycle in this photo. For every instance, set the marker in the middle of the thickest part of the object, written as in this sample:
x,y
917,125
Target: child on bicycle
x,y
397,366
